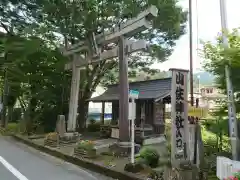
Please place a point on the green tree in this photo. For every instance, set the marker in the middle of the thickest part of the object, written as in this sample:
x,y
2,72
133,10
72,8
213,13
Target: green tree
x,y
33,66
77,21
216,57
34,76
67,22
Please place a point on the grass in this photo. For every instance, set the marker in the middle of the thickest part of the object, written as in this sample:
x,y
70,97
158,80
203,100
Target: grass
x,y
11,128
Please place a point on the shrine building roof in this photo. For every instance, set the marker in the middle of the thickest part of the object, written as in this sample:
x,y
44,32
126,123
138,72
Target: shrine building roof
x,y
150,89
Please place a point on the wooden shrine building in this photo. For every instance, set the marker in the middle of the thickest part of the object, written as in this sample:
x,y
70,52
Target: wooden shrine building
x,y
150,106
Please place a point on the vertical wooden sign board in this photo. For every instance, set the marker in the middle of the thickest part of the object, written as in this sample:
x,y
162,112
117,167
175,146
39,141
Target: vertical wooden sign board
x,y
179,117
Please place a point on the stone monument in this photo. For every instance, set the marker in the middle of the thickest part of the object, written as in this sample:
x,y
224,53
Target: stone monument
x,y
61,126
65,137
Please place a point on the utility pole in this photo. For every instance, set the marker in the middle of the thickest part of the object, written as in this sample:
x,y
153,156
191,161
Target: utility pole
x,y
197,136
231,107
191,51
191,74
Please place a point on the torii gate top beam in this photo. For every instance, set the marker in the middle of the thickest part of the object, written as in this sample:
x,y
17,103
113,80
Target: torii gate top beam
x,y
131,47
132,26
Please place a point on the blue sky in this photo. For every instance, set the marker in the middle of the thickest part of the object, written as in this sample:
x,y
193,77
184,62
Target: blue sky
x,y
209,24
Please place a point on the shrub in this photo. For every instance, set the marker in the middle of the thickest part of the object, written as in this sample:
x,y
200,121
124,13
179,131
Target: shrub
x,y
52,136
12,127
93,126
169,148
105,131
133,168
154,175
149,157
16,115
237,175
92,121
168,132
86,145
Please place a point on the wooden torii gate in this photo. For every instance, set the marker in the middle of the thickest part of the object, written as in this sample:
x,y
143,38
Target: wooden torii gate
x,y
118,35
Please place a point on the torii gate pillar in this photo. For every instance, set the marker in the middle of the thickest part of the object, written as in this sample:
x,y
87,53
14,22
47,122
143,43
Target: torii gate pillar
x,y
123,92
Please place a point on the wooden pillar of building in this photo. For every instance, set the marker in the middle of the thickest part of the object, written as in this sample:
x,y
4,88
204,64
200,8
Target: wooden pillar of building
x,y
103,113
115,113
138,113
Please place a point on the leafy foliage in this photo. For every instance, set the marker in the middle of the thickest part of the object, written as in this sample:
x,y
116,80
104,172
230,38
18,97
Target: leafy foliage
x,y
149,157
94,126
217,57
33,66
86,145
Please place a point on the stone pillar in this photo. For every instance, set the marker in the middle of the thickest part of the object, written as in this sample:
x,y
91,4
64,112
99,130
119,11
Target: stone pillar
x,y
61,125
73,103
123,92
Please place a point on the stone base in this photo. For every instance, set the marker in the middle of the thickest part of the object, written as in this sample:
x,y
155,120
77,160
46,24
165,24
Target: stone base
x,y
123,148
103,145
69,137
71,134
82,153
184,172
154,140
51,143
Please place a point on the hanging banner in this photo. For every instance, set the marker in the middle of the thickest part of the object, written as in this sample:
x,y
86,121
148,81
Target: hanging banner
x,y
179,116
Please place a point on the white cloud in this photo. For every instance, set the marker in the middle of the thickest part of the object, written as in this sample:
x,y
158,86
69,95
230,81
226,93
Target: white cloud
x,y
209,24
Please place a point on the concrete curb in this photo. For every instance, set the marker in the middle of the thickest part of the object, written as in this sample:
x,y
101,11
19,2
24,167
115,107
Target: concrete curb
x,y
120,175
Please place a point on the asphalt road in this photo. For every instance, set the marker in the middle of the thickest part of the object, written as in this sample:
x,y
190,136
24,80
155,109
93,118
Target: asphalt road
x,y
20,162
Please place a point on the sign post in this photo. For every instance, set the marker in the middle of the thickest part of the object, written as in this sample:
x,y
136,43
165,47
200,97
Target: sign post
x,y
194,116
132,115
179,116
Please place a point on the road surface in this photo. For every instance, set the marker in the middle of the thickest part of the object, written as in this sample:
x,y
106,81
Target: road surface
x,y
20,162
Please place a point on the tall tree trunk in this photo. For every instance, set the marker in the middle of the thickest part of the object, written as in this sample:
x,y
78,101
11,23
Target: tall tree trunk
x,y
29,115
27,119
9,114
82,114
4,100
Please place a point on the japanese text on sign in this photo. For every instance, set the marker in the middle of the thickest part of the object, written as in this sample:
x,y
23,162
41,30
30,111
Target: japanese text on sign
x,y
180,126
179,119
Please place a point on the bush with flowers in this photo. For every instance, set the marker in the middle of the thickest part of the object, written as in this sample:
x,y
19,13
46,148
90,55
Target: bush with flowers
x,y
86,145
85,148
52,136
236,176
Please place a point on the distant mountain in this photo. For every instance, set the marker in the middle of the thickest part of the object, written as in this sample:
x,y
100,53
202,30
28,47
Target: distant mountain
x,y
205,78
